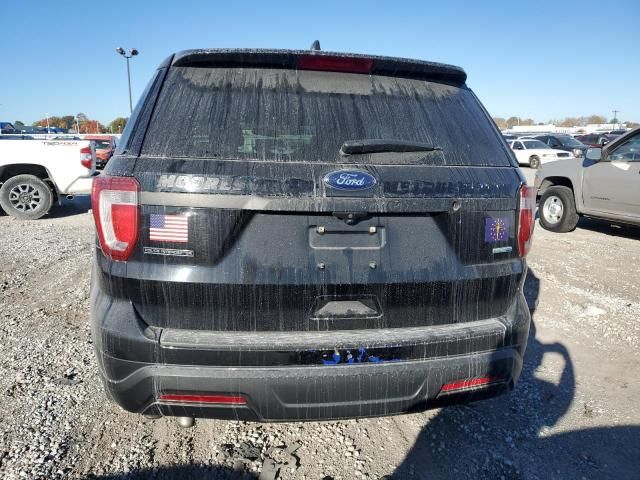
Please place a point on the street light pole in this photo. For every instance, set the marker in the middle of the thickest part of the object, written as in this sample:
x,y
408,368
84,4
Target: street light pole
x,y
129,81
132,53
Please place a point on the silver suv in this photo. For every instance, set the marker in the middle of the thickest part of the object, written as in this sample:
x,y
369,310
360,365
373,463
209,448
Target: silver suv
x,y
605,184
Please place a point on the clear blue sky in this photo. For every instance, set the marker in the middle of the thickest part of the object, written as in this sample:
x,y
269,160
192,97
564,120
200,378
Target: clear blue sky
x,y
548,59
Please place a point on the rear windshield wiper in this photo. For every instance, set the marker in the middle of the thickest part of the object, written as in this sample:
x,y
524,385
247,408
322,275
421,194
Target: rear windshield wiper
x,y
375,145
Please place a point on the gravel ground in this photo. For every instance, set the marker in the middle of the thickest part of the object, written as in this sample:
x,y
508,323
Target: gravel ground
x,y
574,413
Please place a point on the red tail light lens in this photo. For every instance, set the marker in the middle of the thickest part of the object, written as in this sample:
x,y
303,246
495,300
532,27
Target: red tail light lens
x,y
219,399
86,159
468,384
114,201
527,219
335,64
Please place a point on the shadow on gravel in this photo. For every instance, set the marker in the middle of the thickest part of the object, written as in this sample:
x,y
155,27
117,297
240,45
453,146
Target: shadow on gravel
x,y
76,206
506,437
601,226
186,472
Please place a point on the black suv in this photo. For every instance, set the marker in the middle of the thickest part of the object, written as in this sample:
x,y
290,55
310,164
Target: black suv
x,y
597,139
297,235
563,141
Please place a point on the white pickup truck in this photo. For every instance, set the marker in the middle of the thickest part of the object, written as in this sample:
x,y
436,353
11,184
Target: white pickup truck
x,y
36,173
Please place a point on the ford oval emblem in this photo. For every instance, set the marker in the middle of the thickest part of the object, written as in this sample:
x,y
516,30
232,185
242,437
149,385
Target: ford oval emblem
x,y
349,180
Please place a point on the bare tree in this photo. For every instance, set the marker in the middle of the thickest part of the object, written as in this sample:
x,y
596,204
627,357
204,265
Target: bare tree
x,y
500,122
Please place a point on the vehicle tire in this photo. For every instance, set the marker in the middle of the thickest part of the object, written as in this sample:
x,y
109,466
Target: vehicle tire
x,y
557,210
26,197
534,161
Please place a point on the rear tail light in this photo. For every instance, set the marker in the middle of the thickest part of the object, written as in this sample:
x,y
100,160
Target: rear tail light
x,y
114,201
335,64
216,399
526,220
86,159
468,384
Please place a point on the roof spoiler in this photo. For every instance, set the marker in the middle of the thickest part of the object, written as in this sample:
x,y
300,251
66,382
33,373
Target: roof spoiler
x,y
319,60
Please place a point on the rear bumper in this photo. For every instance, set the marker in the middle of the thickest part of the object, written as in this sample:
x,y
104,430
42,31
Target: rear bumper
x,y
139,364
314,393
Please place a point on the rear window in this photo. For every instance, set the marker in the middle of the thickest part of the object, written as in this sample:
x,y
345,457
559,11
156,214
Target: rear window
x,y
532,144
288,115
568,141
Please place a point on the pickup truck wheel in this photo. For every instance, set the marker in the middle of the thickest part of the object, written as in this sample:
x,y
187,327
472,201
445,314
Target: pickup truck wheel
x,y
26,197
534,161
557,209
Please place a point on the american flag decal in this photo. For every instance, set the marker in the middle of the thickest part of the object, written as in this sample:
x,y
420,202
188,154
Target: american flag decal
x,y
169,228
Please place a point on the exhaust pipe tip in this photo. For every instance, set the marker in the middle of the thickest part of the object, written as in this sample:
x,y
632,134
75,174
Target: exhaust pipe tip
x,y
69,197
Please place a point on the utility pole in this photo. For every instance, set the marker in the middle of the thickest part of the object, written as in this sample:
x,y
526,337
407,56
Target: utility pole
x,y
132,53
615,117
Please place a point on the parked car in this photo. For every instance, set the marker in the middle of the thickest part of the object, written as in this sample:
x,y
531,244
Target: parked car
x,y
596,139
7,127
271,247
533,153
606,185
562,141
36,173
105,146
15,137
31,130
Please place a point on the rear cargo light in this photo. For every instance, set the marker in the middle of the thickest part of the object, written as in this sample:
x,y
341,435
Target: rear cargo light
x,y
86,159
219,399
116,212
335,64
469,383
526,220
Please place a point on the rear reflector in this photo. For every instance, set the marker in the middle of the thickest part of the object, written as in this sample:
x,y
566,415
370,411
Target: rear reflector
x,y
114,201
335,64
219,399
526,219
469,383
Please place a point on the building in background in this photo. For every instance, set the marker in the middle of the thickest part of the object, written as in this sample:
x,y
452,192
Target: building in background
x,y
591,128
